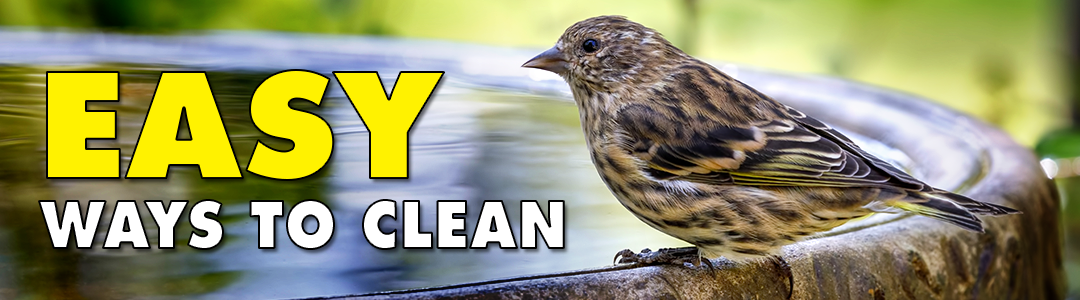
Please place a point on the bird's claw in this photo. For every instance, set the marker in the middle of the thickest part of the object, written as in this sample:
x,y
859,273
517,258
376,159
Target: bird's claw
x,y
625,255
676,256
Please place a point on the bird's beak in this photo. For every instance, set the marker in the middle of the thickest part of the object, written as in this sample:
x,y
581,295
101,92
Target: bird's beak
x,y
551,60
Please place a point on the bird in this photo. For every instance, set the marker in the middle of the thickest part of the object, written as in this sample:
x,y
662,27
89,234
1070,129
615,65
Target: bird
x,y
707,159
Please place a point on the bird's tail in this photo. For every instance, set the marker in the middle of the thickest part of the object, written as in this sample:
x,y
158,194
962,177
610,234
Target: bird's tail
x,y
949,207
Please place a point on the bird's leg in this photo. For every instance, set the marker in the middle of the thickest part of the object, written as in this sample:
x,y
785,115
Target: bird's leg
x,y
675,256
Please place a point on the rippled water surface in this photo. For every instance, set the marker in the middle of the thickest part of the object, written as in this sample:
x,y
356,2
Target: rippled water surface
x,y
469,144
476,140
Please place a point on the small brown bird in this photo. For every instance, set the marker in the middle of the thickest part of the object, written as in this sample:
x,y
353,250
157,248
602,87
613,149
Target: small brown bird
x,y
709,160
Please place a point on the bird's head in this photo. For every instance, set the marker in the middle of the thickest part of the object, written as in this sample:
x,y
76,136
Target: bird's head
x,y
606,52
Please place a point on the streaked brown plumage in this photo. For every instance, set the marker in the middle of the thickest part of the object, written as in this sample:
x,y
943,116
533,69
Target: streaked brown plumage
x,y
707,159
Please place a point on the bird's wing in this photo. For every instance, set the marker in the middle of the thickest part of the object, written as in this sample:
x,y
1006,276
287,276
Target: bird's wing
x,y
796,151
877,164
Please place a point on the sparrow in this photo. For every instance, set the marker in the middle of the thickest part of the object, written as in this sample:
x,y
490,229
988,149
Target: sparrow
x,y
707,159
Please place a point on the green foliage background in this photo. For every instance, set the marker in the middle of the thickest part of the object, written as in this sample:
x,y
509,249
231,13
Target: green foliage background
x,y
996,59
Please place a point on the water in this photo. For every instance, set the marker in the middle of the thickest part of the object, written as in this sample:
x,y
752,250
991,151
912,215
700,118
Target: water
x,y
493,131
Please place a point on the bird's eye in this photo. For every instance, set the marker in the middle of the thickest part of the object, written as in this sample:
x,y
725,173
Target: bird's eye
x,y
590,46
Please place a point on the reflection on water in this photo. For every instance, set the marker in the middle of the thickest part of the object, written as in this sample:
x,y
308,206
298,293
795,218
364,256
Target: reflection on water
x,y
470,144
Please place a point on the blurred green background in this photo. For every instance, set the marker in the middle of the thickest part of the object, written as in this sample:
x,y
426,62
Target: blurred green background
x,y
1008,62
1000,60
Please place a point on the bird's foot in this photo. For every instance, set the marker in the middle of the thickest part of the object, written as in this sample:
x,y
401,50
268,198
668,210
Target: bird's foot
x,y
687,256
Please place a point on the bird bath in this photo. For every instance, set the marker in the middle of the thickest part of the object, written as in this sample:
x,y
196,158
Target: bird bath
x,y
493,131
